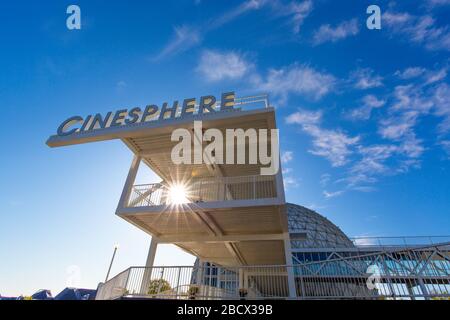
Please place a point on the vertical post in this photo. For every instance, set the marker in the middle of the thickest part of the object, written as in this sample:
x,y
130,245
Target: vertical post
x,y
110,265
289,267
151,253
423,288
254,187
241,278
280,185
388,279
149,266
200,276
199,279
126,192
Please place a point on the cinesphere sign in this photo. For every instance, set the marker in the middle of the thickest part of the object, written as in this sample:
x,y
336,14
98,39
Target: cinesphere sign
x,y
123,117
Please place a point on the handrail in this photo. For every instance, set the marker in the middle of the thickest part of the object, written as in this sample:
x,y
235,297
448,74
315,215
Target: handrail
x,y
406,273
206,190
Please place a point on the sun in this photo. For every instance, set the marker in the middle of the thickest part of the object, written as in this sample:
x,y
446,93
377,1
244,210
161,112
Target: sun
x,y
177,194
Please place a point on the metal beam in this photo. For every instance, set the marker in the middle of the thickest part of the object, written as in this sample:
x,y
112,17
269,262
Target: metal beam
x,y
189,238
126,192
235,252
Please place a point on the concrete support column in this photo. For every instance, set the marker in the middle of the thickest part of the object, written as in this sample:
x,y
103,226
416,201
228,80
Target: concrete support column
x,y
151,253
289,269
148,270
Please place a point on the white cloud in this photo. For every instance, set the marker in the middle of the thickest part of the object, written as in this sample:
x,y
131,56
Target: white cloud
x,y
410,73
397,127
410,103
290,182
243,8
411,147
364,189
429,76
333,145
369,102
295,12
418,29
441,99
364,78
383,160
296,79
436,3
184,38
287,156
325,179
328,33
299,11
121,85
435,76
334,194
286,170
304,117
373,158
216,66
446,146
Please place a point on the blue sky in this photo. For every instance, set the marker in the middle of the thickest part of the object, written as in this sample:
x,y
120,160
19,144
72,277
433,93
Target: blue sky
x,y
364,116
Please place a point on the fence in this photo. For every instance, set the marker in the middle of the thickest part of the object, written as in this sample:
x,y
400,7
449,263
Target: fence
x,y
206,190
418,273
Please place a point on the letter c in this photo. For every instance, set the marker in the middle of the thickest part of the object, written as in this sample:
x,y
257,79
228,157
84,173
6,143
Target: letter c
x,y
62,129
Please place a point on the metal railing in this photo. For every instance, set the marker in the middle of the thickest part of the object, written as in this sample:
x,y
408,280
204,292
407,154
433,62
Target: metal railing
x,y
114,288
393,242
420,273
206,190
246,103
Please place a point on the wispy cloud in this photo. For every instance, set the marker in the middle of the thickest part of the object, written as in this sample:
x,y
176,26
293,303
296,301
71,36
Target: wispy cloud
x,y
425,93
428,76
185,37
446,147
236,12
328,33
364,78
286,170
304,117
295,11
371,164
334,194
410,73
216,66
369,102
290,182
436,75
333,145
437,3
324,179
287,156
441,100
296,79
421,30
121,86
409,104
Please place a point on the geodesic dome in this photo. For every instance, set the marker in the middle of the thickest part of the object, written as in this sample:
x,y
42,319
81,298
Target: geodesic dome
x,y
320,232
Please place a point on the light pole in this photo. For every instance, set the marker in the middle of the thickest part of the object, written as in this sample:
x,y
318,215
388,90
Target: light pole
x,y
112,260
